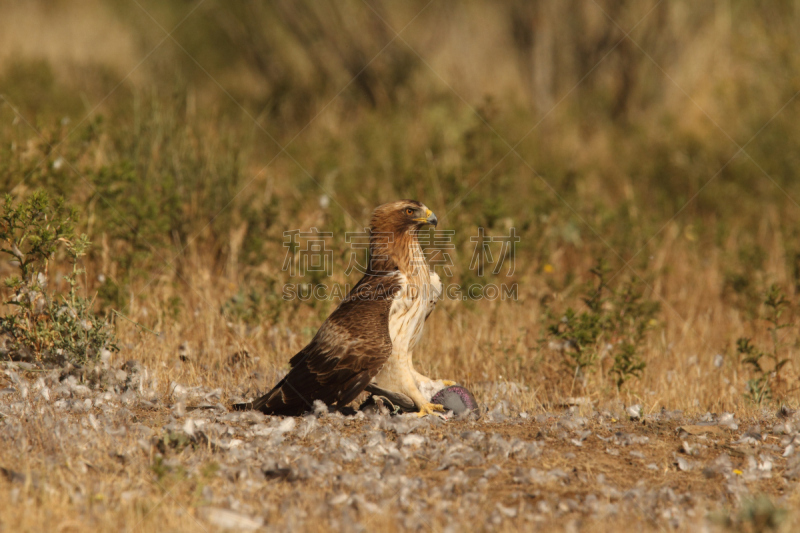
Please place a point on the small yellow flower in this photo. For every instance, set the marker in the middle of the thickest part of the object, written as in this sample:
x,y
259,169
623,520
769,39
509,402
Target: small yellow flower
x,y
737,472
548,268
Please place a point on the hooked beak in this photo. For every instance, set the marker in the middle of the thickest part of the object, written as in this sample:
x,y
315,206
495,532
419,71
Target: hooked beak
x,y
432,220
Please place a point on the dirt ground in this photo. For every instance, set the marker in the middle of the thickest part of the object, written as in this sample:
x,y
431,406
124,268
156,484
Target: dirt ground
x,y
77,457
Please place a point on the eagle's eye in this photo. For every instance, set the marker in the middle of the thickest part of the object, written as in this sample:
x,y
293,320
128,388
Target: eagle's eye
x,y
409,211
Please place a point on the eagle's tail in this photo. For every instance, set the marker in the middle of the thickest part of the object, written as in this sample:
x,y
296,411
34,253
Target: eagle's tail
x,y
275,402
243,406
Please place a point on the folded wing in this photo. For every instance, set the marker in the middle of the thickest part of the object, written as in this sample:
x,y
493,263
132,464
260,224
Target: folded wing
x,y
346,353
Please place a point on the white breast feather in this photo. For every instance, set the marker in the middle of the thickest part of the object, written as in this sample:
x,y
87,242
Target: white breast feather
x,y
407,315
406,318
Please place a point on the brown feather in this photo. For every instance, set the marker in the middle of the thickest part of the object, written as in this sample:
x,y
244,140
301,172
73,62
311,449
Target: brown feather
x,y
353,344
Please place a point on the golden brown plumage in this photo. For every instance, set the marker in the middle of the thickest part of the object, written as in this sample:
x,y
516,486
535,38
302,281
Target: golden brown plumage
x,y
354,343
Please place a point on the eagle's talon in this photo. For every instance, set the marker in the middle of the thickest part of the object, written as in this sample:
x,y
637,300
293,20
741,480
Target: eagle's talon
x,y
429,409
448,383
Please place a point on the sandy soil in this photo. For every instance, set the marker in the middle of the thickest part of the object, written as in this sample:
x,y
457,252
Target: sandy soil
x,y
104,451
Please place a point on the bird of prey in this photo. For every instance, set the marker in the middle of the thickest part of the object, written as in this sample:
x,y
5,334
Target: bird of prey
x,y
367,342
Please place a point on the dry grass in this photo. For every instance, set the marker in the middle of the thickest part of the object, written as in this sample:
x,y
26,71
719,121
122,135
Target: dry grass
x,y
582,468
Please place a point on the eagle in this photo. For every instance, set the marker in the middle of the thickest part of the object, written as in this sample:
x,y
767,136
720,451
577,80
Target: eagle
x,y
368,340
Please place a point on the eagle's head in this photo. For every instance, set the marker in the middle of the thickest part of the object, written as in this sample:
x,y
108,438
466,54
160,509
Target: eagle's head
x,y
401,217
393,235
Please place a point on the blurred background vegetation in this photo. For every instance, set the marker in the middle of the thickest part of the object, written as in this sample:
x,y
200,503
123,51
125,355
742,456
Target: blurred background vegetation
x,y
192,134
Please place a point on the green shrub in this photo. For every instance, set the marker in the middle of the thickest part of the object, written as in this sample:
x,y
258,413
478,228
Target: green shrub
x,y
757,514
42,325
760,385
615,322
